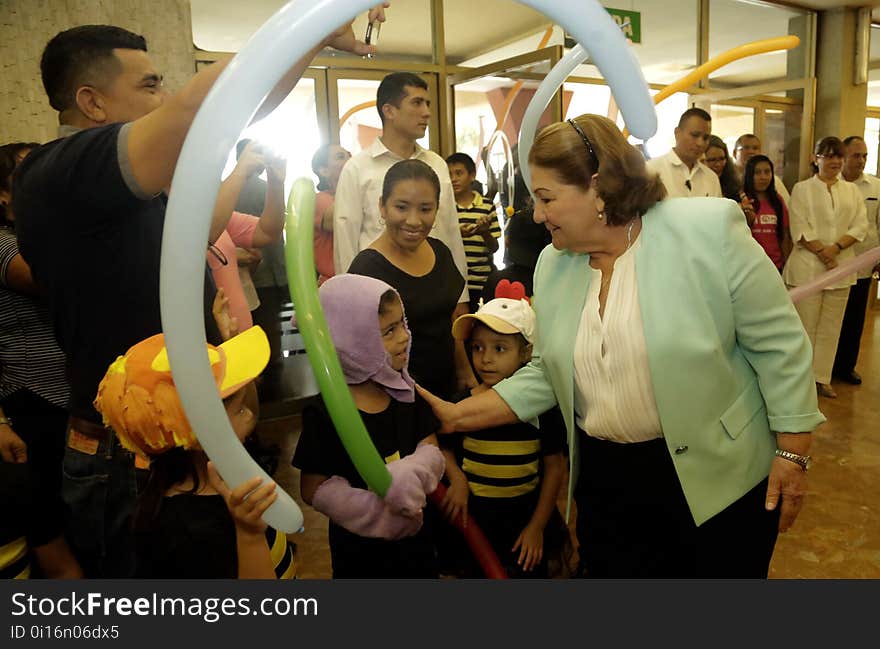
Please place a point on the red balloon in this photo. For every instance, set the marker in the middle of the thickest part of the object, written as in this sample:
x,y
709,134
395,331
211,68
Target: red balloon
x,y
476,540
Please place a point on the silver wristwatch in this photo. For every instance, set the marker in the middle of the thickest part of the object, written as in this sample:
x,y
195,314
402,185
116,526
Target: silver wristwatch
x,y
803,461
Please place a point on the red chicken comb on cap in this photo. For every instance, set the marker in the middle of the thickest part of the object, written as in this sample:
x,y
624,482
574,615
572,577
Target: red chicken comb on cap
x,y
511,290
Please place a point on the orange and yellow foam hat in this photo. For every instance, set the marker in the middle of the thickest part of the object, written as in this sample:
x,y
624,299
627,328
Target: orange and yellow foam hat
x,y
138,400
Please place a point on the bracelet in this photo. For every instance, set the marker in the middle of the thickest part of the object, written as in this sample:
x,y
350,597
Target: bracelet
x,y
839,247
6,421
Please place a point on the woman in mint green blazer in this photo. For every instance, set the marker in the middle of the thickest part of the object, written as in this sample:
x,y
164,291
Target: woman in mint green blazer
x,y
668,340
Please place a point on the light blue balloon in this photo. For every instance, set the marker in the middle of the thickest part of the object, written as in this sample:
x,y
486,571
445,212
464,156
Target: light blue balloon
x,y
228,108
540,100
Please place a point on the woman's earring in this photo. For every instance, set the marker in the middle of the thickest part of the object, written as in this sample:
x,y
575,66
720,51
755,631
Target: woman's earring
x,y
600,215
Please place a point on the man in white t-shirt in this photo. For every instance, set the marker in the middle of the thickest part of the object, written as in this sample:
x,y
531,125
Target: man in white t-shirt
x,y
748,145
681,171
404,107
855,156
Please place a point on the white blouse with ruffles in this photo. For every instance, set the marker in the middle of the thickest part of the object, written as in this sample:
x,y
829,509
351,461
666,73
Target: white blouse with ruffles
x,y
613,396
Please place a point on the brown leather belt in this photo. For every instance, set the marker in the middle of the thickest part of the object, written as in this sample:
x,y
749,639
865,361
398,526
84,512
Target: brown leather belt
x,y
89,428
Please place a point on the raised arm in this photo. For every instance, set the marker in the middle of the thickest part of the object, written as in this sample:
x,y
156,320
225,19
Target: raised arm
x,y
271,224
154,140
250,163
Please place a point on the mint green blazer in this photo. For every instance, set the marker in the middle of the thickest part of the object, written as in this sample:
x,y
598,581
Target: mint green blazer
x,y
730,362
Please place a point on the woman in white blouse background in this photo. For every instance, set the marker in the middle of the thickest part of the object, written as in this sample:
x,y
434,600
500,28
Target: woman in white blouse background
x,y
667,338
827,216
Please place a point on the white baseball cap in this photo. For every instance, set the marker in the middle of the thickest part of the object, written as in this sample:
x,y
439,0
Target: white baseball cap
x,y
503,315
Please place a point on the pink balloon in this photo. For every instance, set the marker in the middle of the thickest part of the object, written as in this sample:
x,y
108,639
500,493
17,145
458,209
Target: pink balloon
x,y
864,260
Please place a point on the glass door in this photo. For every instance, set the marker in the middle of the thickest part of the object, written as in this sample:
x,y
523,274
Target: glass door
x,y
778,117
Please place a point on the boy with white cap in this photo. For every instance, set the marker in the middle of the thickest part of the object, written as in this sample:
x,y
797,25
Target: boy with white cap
x,y
507,477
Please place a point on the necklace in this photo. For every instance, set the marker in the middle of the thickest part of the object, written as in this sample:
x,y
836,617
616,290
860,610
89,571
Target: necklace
x,y
629,232
607,280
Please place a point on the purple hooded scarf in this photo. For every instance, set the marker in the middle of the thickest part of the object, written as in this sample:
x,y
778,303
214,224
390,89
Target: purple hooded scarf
x,y
351,308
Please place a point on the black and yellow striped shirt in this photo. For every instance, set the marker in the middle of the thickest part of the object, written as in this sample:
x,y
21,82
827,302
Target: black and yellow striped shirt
x,y
15,559
479,260
283,554
505,461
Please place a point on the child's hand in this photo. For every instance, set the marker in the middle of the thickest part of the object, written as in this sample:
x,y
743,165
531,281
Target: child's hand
x,y
531,545
483,224
456,501
227,324
12,447
405,496
247,502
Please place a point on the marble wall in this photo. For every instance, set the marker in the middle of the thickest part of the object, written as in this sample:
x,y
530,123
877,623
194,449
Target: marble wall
x,y
27,25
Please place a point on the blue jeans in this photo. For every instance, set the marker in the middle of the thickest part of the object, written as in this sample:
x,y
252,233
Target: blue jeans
x,y
100,491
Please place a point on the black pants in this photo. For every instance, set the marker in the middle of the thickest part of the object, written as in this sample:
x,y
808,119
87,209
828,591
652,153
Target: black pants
x,y
43,427
634,522
851,329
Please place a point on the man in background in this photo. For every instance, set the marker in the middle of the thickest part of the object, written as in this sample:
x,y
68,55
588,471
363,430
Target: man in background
x,y
855,156
405,109
682,172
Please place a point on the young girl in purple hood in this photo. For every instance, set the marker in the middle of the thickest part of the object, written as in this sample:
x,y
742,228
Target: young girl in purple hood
x,y
371,537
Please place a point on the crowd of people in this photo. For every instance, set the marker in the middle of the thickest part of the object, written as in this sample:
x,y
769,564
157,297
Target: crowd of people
x,y
638,352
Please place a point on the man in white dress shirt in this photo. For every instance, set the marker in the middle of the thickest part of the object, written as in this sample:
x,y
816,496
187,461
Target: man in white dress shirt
x,y
681,171
748,145
855,156
404,107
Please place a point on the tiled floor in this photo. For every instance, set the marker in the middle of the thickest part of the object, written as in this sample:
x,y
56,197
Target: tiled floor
x,y
837,534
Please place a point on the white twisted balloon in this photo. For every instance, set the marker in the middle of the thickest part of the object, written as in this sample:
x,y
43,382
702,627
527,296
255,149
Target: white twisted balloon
x,y
540,100
229,106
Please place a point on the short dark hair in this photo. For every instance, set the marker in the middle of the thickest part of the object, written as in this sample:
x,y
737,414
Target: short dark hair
x,y
730,186
320,159
745,136
852,138
387,299
392,89
81,55
411,169
693,112
828,144
462,159
8,163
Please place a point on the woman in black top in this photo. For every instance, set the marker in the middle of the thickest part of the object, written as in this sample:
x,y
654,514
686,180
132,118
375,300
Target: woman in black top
x,y
423,272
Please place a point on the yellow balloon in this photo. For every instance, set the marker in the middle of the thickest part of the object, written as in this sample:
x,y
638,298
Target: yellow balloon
x,y
731,55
